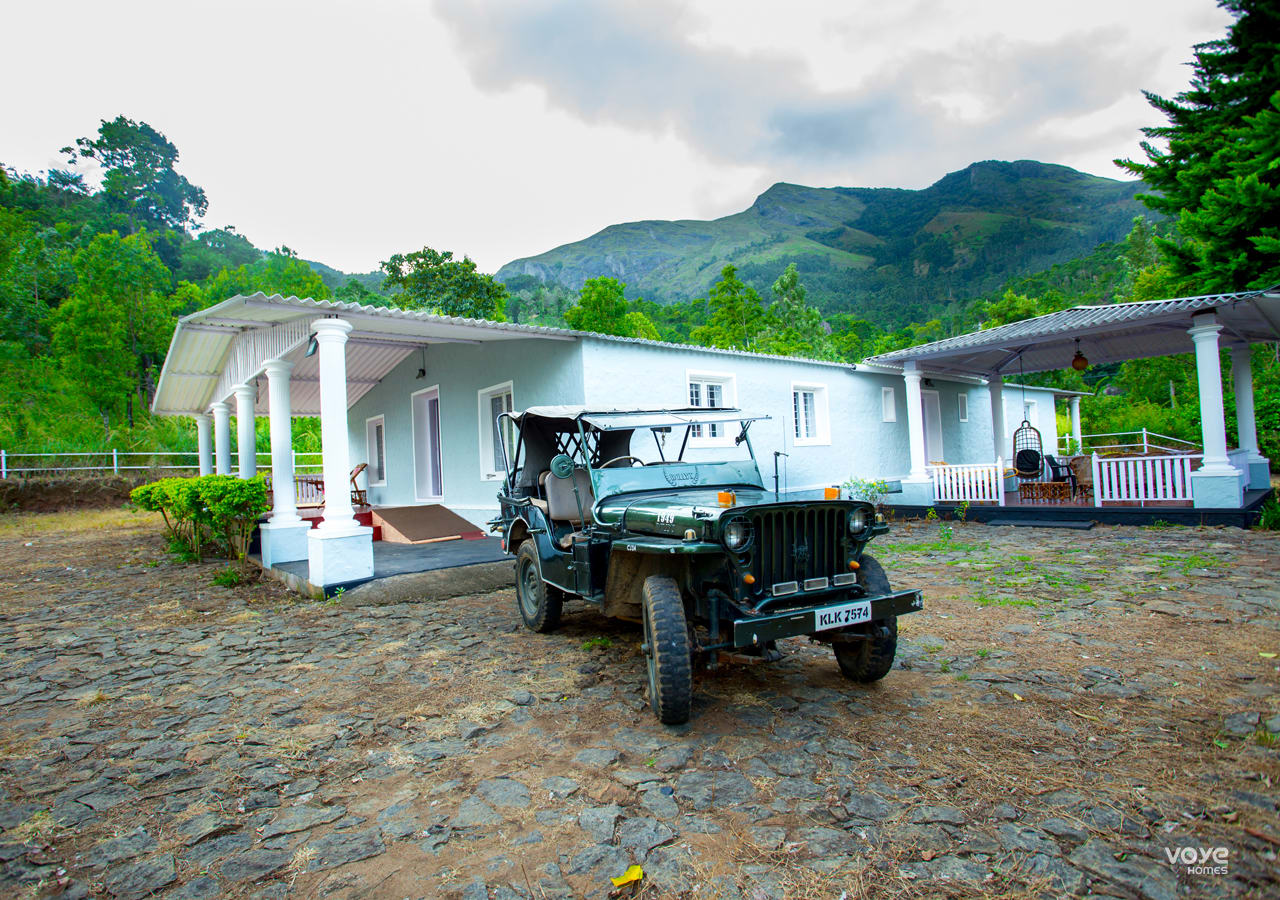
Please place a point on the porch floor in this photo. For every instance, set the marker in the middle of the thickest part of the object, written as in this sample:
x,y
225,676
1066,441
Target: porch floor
x,y
1108,514
407,559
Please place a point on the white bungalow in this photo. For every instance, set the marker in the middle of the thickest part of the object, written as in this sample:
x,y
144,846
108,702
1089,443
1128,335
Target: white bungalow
x,y
414,395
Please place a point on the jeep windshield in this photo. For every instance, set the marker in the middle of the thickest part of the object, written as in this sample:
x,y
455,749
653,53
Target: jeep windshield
x,y
627,451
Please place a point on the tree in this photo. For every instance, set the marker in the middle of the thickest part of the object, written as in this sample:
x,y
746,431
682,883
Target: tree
x,y
117,322
278,272
737,315
139,179
793,328
1218,175
429,279
602,308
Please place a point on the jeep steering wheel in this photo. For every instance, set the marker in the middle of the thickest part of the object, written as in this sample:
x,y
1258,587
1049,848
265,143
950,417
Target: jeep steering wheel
x,y
634,459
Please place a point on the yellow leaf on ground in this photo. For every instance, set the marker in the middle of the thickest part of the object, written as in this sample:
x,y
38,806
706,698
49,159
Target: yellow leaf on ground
x,y
1266,655
633,873
1017,696
1085,716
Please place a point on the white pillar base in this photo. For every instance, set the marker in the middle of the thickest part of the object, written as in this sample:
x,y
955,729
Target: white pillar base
x,y
340,557
914,493
1215,490
283,542
1259,474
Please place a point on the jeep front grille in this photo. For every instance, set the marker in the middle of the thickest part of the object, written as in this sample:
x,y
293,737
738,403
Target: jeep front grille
x,y
797,545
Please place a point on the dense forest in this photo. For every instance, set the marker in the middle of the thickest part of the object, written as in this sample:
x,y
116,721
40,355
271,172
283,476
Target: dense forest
x,y
94,275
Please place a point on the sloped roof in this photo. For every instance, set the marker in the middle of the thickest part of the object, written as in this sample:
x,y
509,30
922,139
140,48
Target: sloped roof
x,y
1108,333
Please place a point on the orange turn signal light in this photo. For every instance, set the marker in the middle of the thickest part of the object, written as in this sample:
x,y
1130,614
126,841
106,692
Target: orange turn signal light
x,y
748,579
727,498
854,565
831,493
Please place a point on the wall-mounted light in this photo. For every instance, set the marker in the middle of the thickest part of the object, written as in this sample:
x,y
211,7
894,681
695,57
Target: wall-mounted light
x,y
1079,362
312,345
422,372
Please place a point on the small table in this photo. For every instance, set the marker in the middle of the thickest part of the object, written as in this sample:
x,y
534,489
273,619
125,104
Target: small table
x,y
1044,491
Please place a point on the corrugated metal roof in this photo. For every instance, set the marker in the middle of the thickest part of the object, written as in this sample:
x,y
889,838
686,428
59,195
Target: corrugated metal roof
x,y
228,342
1109,333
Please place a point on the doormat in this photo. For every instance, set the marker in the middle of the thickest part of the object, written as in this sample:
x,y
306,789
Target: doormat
x,y
423,525
1043,523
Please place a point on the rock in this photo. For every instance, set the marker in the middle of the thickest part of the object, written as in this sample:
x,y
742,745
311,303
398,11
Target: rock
x,y
597,757
1272,725
1064,829
202,887
673,758
1148,877
202,827
339,849
302,818
599,822
473,812
947,815
1241,724
1020,837
521,698
559,787
137,880
598,857
1062,878
1004,811
642,835
126,846
504,792
252,865
701,789
827,841
869,807
947,868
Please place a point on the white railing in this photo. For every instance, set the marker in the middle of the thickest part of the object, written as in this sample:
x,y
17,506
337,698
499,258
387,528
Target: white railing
x,y
980,483
1142,479
1144,441
18,464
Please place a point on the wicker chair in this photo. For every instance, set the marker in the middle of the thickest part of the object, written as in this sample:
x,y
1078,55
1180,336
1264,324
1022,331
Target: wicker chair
x,y
1028,452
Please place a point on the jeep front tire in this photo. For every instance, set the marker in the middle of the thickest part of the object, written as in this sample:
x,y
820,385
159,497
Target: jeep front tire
x,y
870,658
667,652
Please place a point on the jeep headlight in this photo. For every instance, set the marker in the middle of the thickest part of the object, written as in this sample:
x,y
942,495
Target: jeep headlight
x,y
737,535
857,521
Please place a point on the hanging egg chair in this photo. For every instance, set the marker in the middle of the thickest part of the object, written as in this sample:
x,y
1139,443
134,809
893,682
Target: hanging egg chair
x,y
1028,451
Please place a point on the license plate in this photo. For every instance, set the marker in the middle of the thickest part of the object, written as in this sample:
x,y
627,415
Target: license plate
x,y
840,616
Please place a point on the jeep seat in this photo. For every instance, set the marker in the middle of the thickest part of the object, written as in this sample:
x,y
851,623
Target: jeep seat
x,y
563,505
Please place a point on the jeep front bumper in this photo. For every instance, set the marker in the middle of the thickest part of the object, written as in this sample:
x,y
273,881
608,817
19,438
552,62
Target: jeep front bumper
x,y
831,616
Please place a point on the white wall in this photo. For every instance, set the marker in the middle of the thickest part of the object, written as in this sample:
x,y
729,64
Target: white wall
x,y
1044,419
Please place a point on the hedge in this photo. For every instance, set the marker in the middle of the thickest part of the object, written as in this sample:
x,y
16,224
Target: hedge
x,y
212,510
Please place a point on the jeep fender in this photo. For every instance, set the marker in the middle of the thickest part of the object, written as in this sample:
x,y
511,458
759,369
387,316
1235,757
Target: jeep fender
x,y
624,585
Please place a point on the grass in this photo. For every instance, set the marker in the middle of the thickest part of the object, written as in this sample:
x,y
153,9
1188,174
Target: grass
x,y
602,643
984,652
229,577
988,600
1186,564
94,698
30,524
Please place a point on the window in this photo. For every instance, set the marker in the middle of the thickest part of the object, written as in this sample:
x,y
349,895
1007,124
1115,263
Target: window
x,y
710,390
375,432
962,402
1029,411
494,401
888,405
809,414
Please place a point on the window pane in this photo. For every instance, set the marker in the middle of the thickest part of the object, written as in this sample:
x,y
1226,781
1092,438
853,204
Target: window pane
x,y
379,454
714,393
497,406
795,411
810,414
695,394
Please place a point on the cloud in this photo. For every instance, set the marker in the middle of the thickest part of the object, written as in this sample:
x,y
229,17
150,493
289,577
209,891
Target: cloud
x,y
638,65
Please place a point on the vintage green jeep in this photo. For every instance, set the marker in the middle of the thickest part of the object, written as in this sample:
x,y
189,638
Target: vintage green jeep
x,y
619,509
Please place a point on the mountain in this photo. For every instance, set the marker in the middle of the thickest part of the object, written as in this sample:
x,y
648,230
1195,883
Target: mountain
x,y
891,255
335,279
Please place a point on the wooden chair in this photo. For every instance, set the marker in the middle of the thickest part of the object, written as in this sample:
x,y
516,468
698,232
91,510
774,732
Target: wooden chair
x,y
359,497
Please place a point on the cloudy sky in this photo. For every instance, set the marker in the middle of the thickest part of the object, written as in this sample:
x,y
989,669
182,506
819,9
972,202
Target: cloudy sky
x,y
353,130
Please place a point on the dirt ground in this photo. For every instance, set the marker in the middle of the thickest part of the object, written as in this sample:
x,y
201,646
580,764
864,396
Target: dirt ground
x,y
1070,710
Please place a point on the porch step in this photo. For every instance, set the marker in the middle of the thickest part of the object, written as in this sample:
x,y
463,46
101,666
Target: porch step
x,y
1043,523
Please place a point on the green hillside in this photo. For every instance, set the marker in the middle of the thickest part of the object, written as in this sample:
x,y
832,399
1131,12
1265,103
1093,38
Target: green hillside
x,y
890,255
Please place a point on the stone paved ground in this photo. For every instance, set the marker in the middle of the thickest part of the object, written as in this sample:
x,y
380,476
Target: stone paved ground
x,y
1069,707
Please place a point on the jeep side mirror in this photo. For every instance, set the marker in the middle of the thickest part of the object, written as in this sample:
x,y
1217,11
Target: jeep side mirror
x,y
561,465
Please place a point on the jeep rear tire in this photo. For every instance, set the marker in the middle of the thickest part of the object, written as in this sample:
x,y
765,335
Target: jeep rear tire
x,y
871,658
667,652
539,603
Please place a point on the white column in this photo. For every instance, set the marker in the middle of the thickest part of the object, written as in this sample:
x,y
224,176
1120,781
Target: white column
x,y
204,442
995,385
339,551
1213,426
331,335
284,508
915,421
1076,431
246,433
222,436
1246,426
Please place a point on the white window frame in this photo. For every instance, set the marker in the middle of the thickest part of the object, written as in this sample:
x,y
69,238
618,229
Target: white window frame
x,y
728,383
483,396
821,415
888,404
1030,412
370,445
962,406
417,440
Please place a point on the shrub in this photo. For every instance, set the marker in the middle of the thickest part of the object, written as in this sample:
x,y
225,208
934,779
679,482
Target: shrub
x,y
211,509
